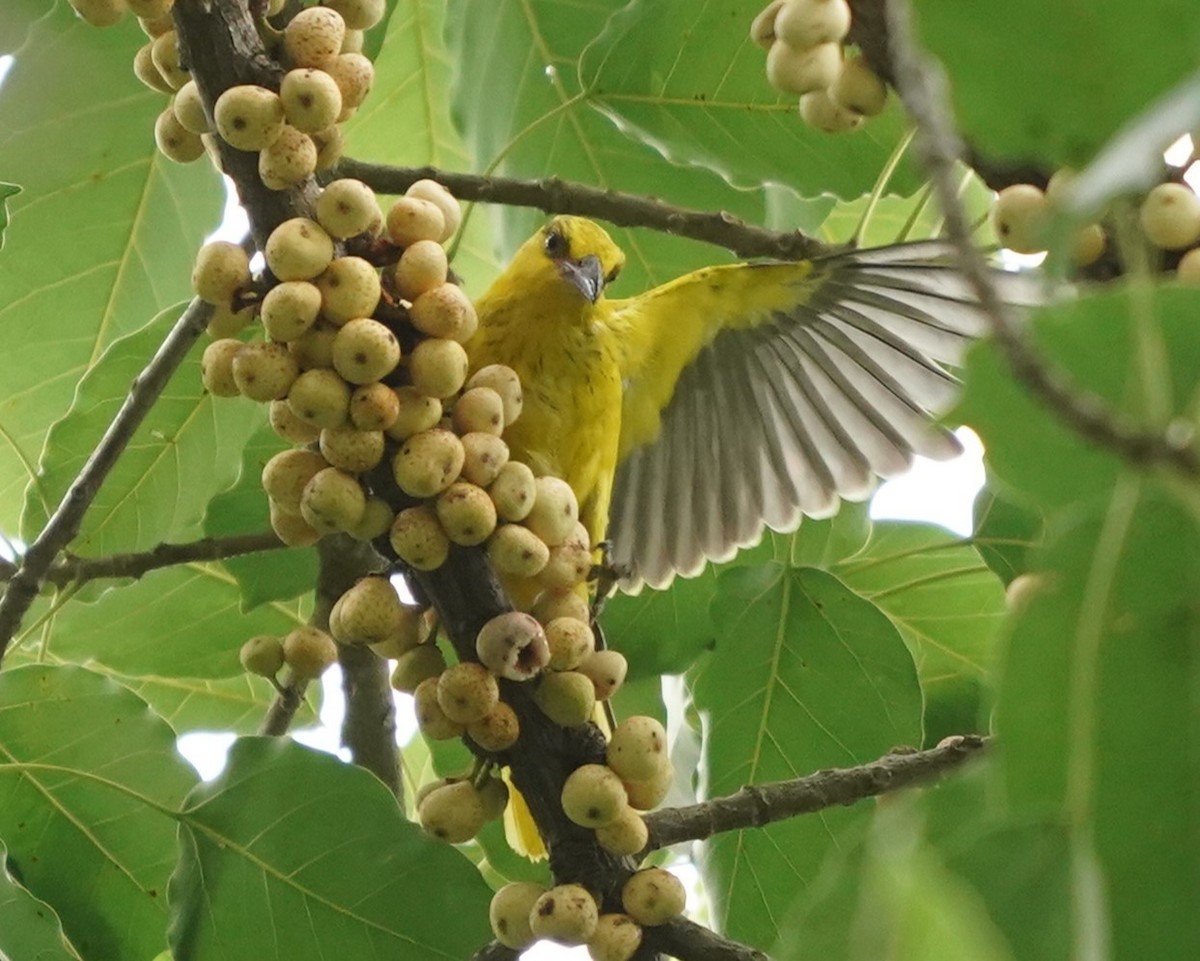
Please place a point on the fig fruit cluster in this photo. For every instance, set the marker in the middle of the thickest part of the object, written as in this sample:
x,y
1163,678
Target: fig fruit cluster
x,y
524,912
804,40
1021,215
293,126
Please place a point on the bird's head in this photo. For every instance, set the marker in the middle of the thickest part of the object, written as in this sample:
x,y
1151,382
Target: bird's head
x,y
571,256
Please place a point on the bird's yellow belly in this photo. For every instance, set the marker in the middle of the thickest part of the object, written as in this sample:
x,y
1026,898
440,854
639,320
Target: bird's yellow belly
x,y
569,427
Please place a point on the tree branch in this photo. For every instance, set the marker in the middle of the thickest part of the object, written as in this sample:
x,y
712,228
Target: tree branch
x,y
80,570
555,196
495,951
65,522
758,805
369,725
921,86
689,941
282,711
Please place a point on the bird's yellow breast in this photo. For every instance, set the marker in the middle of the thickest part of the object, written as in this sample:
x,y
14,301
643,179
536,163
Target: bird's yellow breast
x,y
571,421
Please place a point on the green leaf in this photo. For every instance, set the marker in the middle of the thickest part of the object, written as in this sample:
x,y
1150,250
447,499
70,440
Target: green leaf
x,y
1005,532
292,854
919,910
890,218
1131,162
1054,82
805,675
237,704
102,236
414,74
700,96
1101,340
1097,713
86,776
522,112
1017,870
29,928
374,39
179,622
948,606
277,575
6,191
186,450
664,632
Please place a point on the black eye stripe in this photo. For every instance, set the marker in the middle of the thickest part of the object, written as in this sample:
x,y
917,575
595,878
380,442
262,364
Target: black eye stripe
x,y
612,274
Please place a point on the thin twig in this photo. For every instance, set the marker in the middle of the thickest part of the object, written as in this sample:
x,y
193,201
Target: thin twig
x,y
80,570
757,805
65,522
921,85
288,698
340,562
555,196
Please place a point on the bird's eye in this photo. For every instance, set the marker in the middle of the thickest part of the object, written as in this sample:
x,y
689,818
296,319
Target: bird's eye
x,y
556,244
612,274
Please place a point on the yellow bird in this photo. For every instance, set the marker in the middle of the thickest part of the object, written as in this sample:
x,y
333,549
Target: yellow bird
x,y
690,416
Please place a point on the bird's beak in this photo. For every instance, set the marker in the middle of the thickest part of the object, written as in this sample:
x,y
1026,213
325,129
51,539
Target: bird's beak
x,y
585,274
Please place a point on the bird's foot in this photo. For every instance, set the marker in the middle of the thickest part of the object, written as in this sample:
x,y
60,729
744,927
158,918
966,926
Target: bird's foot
x,y
606,576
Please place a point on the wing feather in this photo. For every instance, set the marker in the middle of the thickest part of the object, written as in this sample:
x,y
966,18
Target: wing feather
x,y
757,393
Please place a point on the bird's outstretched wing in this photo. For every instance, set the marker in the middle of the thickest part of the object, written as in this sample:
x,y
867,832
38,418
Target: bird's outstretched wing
x,y
756,393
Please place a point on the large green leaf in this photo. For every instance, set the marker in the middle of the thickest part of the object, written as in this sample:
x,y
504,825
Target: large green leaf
x,y
186,450
104,231
521,109
913,908
414,74
179,622
664,632
277,575
293,854
700,96
805,675
948,605
1098,717
29,928
1103,340
86,772
1018,871
236,704
1053,82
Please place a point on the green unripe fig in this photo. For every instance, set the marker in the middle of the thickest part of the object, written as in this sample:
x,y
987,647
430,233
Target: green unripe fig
x,y
262,655
617,938
566,914
625,836
593,796
637,749
309,651
567,698
653,896
248,117
453,813
467,692
418,538
509,913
